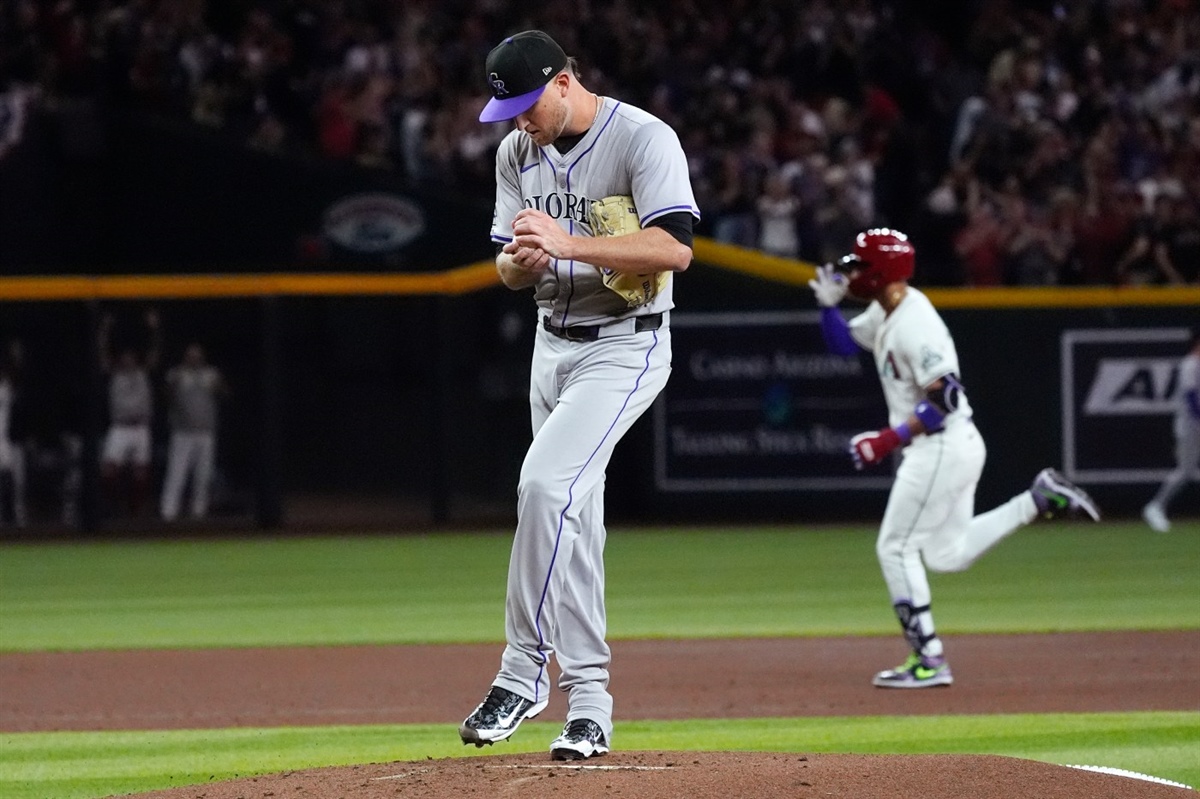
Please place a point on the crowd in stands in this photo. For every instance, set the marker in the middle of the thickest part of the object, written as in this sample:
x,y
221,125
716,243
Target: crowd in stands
x,y
1019,143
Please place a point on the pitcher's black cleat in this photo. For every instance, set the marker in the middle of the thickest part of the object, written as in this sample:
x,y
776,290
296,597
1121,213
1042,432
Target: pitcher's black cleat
x,y
497,717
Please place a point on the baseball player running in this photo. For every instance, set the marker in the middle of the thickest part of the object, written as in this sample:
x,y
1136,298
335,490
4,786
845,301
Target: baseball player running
x,y
594,211
930,519
1187,439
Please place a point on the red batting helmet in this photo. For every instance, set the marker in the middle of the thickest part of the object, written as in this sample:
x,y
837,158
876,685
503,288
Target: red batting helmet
x,y
881,256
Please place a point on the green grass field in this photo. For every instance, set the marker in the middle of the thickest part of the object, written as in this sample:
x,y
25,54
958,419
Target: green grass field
x,y
661,583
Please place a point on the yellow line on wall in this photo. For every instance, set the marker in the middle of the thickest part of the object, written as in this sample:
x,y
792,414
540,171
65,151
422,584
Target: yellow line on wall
x,y
798,273
1065,297
753,262
77,287
482,275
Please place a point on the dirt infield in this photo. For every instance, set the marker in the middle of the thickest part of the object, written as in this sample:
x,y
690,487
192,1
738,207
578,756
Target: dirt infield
x,y
1067,672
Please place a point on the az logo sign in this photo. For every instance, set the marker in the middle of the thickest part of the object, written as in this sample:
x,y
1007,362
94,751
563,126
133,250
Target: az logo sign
x,y
1132,386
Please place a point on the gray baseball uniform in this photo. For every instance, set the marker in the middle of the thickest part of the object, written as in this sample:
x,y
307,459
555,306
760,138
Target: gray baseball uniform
x,y
1187,441
12,455
588,386
191,450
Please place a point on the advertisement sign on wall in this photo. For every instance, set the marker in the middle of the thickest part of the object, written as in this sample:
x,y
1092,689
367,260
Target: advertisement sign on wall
x,y
755,403
1118,389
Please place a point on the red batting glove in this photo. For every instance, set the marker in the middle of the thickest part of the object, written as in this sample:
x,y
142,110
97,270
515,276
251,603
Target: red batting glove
x,y
871,448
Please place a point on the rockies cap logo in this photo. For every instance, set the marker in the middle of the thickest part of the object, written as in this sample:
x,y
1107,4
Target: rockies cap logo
x,y
518,71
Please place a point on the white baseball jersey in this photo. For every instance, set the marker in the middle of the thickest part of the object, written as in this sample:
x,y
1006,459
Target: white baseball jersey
x,y
193,397
930,520
626,151
912,349
130,400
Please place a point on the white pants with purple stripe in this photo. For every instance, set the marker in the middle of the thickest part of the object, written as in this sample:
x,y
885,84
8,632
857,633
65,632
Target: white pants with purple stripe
x,y
584,396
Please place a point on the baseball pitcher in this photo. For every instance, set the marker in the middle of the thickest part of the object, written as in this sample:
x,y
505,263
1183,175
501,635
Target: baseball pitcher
x,y
594,212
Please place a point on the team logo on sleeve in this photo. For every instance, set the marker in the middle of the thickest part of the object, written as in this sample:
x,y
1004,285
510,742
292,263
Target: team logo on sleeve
x,y
929,358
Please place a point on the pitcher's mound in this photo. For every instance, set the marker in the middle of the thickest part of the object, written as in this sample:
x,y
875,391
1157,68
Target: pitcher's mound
x,y
695,775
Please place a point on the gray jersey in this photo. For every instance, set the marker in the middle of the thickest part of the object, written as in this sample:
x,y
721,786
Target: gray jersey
x,y
6,404
193,398
1186,423
627,151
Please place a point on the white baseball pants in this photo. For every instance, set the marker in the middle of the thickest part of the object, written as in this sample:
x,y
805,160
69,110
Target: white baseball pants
x,y
930,521
584,396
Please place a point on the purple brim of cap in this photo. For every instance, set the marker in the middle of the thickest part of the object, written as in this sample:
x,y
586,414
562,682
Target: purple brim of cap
x,y
498,110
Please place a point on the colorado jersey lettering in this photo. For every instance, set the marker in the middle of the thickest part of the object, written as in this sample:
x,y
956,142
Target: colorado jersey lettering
x,y
562,185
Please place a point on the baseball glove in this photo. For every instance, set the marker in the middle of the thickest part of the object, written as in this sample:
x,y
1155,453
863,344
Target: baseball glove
x,y
617,216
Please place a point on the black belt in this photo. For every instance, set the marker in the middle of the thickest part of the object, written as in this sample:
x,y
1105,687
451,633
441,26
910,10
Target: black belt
x,y
636,324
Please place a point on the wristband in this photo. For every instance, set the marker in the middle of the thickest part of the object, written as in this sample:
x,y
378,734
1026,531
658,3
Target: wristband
x,y
930,416
903,432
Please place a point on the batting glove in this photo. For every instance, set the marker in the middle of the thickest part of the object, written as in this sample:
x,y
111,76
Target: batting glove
x,y
828,286
868,449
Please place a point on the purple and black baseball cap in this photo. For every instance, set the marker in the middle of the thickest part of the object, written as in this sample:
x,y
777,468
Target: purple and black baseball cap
x,y
518,70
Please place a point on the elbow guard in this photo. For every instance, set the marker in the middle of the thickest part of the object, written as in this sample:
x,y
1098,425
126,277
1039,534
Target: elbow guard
x,y
836,332
940,401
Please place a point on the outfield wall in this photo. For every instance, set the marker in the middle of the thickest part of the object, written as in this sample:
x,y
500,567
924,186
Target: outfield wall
x,y
756,417
381,402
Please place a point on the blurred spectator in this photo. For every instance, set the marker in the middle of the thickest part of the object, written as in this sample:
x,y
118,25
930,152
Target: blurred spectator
x,y
16,101
194,391
733,212
1042,241
1177,250
777,210
1142,264
337,129
1104,230
982,243
842,217
944,219
863,107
